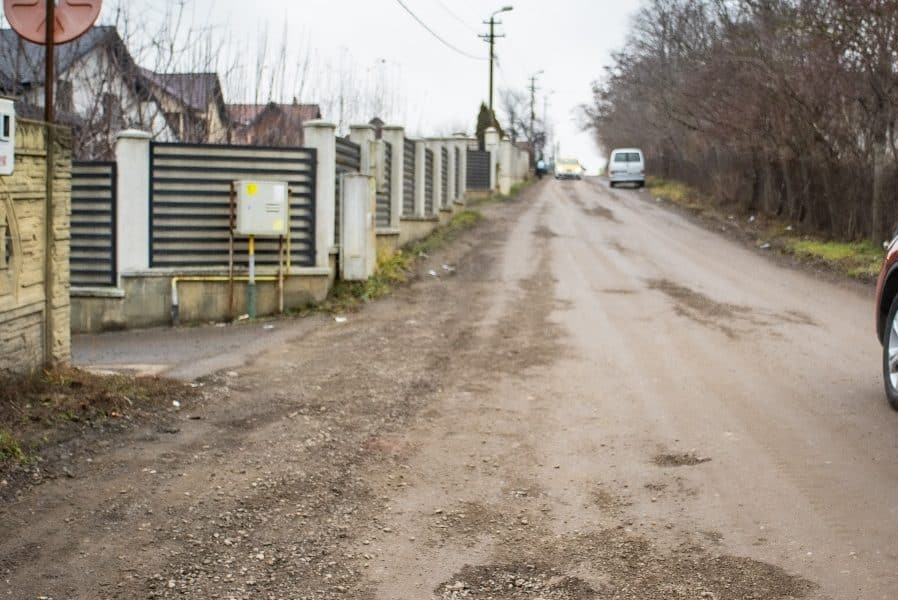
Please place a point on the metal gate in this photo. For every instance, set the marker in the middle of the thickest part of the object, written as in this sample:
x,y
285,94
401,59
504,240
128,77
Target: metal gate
x,y
385,193
349,160
190,202
408,178
93,224
478,170
428,182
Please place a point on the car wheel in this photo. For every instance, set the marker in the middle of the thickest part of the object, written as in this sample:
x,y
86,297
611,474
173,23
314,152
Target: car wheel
x,y
890,355
612,183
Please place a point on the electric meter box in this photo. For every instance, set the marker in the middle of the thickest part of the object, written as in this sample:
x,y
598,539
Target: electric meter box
x,y
7,137
263,208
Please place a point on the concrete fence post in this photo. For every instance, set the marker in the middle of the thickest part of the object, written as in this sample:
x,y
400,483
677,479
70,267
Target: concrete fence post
x,y
435,146
420,179
132,155
451,191
491,144
505,166
363,135
322,136
463,143
395,135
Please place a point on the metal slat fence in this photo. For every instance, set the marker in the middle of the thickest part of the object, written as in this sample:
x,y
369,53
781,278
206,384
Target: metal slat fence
x,y
93,224
384,194
428,182
349,160
190,203
408,179
458,182
444,178
478,170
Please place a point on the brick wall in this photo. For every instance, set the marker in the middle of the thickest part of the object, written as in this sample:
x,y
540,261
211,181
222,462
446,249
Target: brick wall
x,y
23,200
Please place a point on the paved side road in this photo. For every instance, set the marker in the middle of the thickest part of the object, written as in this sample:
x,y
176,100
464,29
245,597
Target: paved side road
x,y
604,401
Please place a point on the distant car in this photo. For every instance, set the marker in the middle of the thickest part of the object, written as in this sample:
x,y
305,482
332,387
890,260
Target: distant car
x,y
626,165
568,168
887,321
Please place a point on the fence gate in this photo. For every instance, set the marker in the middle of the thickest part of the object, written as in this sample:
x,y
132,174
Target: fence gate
x,y
93,225
385,193
478,170
349,160
408,179
190,203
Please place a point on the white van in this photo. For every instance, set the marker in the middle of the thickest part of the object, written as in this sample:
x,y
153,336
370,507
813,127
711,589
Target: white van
x,y
626,165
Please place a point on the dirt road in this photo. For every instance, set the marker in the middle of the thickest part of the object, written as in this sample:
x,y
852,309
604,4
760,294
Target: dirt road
x,y
602,401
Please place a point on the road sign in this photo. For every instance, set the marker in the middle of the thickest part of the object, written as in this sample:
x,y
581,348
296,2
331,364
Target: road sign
x,y
73,18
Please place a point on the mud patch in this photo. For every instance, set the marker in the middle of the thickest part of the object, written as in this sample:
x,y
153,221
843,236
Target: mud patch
x,y
618,291
515,580
704,310
680,459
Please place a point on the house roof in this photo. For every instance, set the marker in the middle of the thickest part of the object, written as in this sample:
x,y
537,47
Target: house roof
x,y
22,62
195,90
244,115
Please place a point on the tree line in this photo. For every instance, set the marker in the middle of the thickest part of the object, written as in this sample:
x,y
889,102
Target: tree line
x,y
781,106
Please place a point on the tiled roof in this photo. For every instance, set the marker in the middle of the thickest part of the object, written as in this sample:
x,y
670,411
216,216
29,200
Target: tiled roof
x,y
244,115
196,90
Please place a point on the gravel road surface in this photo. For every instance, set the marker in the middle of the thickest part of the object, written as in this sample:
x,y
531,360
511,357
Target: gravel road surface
x,y
603,400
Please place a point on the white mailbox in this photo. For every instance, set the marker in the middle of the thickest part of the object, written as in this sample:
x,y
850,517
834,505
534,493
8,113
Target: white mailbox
x,y
7,137
263,208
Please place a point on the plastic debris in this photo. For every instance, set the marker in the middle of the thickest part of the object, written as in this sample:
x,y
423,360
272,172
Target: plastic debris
x,y
340,319
765,246
751,219
432,273
243,317
267,327
176,404
449,269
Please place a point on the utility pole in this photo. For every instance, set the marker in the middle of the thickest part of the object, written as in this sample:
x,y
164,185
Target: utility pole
x,y
532,136
491,39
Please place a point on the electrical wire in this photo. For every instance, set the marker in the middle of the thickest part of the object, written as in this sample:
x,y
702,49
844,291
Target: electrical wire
x,y
456,17
436,35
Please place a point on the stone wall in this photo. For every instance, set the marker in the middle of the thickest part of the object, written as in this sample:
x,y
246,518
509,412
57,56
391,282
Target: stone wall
x,y
26,326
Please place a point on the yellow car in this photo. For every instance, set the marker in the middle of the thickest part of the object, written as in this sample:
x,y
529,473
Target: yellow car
x,y
568,168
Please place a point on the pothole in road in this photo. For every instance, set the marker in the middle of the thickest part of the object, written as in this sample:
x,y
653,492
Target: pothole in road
x,y
614,564
544,232
679,459
516,580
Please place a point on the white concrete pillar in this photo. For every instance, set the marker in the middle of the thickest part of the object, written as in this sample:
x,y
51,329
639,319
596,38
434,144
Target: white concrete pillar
x,y
322,136
436,148
491,144
358,234
132,155
395,135
420,179
363,135
463,143
506,172
451,191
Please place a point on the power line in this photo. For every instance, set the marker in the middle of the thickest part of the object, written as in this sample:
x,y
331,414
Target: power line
x,y
455,16
436,35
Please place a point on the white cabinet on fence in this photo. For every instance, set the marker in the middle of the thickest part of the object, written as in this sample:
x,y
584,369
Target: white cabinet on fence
x,y
358,235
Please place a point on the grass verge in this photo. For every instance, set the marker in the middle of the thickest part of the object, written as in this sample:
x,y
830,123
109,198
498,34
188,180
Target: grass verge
x,y
394,269
859,260
44,406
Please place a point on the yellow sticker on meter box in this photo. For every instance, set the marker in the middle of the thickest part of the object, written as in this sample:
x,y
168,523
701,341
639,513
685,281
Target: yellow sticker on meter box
x,y
252,189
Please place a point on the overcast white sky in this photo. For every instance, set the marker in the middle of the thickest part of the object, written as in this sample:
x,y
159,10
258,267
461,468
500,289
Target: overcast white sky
x,y
570,40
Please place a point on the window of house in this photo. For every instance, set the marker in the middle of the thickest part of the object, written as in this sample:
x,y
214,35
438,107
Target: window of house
x,y
65,100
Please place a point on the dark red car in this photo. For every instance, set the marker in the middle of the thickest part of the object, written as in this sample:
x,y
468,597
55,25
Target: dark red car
x,y
887,321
